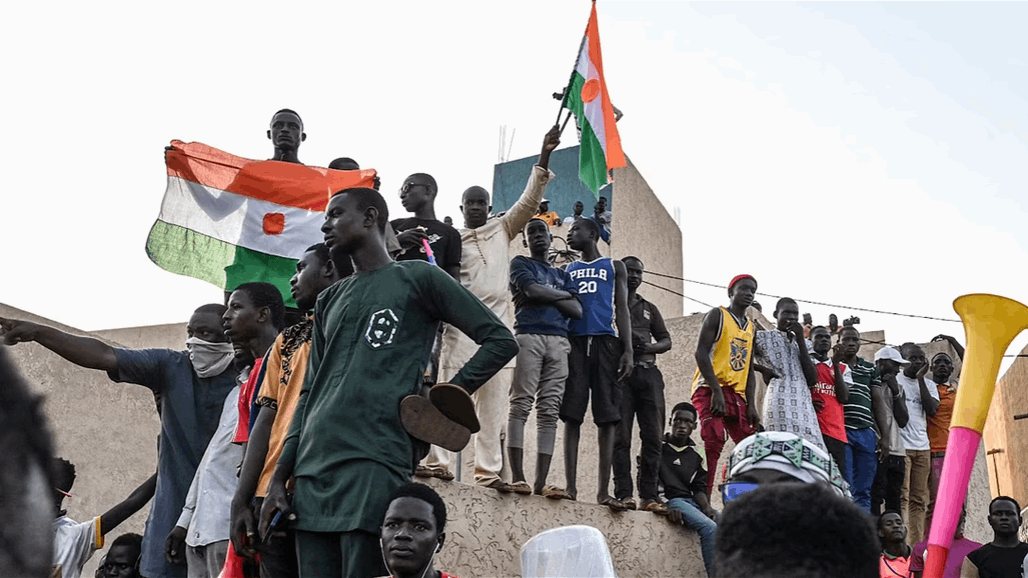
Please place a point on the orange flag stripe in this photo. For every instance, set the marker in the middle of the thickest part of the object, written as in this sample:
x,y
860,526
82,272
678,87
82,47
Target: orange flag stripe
x,y
287,184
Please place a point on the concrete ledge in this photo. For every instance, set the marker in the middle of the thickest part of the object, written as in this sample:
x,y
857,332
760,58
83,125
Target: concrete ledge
x,y
486,529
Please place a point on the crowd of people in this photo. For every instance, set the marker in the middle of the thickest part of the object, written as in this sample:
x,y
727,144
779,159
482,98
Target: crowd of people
x,y
289,449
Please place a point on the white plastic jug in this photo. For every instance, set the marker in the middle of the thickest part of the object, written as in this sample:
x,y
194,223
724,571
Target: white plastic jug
x,y
567,552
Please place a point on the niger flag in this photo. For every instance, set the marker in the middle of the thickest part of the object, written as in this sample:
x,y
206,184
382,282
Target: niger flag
x,y
229,220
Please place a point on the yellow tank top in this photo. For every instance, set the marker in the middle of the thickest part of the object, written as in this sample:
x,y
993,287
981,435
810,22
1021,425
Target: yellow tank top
x,y
732,353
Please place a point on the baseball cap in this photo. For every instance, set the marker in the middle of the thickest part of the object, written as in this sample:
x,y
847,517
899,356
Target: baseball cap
x,y
891,353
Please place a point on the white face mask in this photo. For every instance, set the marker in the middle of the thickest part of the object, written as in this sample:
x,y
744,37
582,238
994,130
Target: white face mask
x,y
209,359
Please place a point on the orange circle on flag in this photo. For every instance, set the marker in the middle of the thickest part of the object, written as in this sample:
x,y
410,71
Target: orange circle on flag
x,y
590,90
274,223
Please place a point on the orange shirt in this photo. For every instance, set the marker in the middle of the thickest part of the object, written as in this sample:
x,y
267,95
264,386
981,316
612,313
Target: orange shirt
x,y
550,217
938,424
889,567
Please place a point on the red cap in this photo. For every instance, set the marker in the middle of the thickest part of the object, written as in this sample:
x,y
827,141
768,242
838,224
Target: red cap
x,y
738,278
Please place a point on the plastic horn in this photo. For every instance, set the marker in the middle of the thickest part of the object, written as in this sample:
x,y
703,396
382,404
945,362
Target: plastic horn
x,y
990,324
428,251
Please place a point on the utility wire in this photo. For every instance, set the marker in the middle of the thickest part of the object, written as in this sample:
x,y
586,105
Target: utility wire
x,y
809,301
806,301
677,293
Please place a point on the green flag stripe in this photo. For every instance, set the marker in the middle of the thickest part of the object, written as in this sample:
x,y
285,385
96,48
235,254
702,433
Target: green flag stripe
x,y
186,252
592,163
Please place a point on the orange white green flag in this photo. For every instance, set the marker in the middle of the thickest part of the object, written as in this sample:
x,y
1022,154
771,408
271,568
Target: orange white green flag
x,y
230,220
587,98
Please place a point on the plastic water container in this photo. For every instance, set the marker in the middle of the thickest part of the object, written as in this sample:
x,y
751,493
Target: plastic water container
x,y
567,552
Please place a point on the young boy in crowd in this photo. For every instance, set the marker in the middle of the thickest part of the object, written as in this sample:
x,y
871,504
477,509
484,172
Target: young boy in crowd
x,y
722,388
685,481
544,300
75,542
830,392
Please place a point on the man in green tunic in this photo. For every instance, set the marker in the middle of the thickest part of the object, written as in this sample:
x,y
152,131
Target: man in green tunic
x,y
373,331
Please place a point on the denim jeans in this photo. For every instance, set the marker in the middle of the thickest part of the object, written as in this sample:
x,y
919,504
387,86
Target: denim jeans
x,y
697,520
861,465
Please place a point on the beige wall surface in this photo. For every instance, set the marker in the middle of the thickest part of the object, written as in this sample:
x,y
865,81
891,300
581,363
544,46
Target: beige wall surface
x,y
1008,467
642,227
108,430
170,336
485,531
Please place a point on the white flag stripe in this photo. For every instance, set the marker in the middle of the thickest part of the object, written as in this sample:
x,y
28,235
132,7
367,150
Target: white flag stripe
x,y
239,220
593,110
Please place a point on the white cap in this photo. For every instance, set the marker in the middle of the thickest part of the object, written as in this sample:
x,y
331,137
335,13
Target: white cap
x,y
891,353
572,551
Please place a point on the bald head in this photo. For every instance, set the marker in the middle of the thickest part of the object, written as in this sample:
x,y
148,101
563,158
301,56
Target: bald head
x,y
475,206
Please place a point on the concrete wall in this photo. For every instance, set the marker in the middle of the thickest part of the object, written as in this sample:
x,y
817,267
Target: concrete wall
x,y
1008,467
485,531
108,430
642,227
170,336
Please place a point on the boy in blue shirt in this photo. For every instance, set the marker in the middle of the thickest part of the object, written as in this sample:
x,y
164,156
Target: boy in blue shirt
x,y
544,299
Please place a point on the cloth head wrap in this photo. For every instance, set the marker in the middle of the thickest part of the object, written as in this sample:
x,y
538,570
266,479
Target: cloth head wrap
x,y
789,454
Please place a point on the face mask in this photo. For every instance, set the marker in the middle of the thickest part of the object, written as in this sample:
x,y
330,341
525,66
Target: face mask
x,y
209,359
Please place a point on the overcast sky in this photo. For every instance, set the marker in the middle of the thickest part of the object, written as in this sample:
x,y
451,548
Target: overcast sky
x,y
864,154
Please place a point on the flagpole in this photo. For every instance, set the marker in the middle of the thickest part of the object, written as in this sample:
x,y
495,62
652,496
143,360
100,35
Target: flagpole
x,y
571,77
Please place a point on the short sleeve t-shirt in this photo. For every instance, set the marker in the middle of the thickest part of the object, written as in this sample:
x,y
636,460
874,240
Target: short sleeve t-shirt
x,y
285,368
538,318
938,424
915,433
830,418
647,325
246,394
857,409
442,238
190,412
995,562
889,567
74,544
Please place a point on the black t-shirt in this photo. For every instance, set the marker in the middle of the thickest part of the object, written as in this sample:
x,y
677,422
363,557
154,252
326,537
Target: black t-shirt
x,y
444,240
681,472
995,562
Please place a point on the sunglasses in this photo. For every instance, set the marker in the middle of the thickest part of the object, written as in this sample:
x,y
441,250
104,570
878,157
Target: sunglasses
x,y
732,490
408,186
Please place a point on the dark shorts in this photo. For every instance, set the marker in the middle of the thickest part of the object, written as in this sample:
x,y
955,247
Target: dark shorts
x,y
593,367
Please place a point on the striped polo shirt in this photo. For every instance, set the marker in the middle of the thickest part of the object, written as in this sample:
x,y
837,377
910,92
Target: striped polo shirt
x,y
857,409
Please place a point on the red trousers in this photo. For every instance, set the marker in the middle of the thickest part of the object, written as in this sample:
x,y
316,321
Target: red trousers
x,y
714,430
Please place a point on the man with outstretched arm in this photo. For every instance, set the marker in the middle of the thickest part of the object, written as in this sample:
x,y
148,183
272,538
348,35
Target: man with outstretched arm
x,y
486,273
192,385
346,448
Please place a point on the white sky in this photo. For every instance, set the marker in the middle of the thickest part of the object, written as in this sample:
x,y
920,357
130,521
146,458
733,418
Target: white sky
x,y
864,154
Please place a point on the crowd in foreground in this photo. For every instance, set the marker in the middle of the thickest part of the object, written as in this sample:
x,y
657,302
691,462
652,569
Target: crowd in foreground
x,y
286,451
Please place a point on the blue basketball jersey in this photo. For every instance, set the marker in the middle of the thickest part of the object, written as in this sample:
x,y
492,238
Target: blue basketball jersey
x,y
595,283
